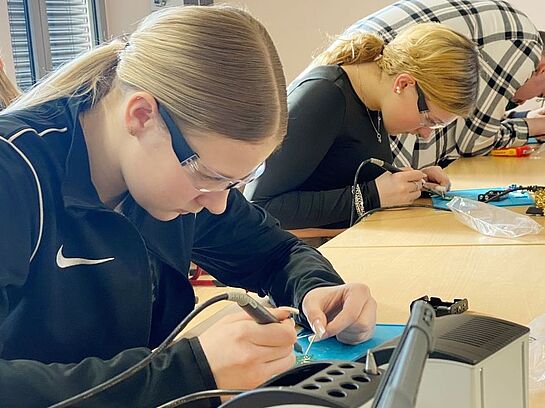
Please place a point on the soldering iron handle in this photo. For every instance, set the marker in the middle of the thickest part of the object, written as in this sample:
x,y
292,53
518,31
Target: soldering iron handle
x,y
251,306
385,165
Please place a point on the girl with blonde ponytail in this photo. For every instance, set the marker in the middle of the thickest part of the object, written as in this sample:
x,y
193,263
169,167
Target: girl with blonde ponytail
x,y
354,94
117,171
8,91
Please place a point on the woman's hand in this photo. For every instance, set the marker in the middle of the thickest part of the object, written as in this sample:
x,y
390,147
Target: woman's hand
x,y
400,188
436,177
243,354
537,113
346,311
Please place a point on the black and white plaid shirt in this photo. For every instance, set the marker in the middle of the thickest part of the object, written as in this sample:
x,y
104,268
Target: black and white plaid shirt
x,y
510,49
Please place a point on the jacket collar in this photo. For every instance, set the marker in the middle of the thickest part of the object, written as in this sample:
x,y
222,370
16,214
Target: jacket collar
x,y
77,188
162,238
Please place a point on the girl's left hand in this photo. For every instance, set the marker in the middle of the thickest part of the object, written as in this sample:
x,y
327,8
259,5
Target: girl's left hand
x,y
436,175
347,311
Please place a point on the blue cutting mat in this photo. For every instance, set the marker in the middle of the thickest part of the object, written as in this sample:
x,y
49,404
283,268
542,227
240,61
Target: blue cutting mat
x,y
513,199
331,349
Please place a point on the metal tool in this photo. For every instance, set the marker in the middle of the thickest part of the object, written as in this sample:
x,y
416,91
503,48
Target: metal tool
x,y
310,343
258,312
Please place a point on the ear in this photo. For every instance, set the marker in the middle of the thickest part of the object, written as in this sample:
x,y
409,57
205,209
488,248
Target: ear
x,y
401,82
140,109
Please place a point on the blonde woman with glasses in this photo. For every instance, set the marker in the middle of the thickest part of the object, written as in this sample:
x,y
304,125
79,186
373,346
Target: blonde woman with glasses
x,y
341,111
118,170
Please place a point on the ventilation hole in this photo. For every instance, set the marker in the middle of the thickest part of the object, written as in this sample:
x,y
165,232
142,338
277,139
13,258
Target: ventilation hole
x,y
335,372
337,393
311,387
349,386
345,365
324,379
360,378
491,336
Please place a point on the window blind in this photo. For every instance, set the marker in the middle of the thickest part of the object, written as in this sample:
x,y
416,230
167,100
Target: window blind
x,y
69,23
62,28
20,43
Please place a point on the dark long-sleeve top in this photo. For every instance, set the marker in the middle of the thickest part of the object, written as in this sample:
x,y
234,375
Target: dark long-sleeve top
x,y
308,181
67,325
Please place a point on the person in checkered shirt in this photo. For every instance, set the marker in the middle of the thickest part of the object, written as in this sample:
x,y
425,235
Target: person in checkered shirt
x,y
512,71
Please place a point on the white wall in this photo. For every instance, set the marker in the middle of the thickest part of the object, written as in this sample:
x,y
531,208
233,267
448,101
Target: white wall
x,y
298,27
123,15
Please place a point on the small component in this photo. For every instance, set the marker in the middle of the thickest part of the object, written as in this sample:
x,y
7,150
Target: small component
x,y
310,343
370,363
493,195
520,151
305,358
535,211
447,197
539,197
443,308
436,190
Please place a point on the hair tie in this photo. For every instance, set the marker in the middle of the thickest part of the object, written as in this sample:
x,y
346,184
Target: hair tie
x,y
121,51
379,56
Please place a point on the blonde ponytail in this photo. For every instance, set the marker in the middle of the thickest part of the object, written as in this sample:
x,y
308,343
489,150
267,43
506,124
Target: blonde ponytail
x,y
8,91
444,63
356,49
92,74
215,68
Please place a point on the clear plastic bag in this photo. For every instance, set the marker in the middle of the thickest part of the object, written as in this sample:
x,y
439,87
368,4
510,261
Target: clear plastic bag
x,y
491,220
537,354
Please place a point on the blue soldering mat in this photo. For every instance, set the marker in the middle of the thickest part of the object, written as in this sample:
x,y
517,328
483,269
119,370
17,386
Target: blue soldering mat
x,y
513,199
331,349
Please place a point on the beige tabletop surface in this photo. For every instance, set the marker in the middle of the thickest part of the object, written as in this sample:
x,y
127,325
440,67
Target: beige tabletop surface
x,y
496,280
428,227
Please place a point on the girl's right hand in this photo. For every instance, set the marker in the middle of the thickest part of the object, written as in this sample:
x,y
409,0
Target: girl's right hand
x,y
400,188
243,354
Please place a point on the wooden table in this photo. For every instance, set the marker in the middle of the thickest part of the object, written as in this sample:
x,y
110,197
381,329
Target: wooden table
x,y
496,280
427,227
422,227
403,255
489,171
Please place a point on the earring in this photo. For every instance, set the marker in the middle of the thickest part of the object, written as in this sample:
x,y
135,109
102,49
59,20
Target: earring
x,y
398,90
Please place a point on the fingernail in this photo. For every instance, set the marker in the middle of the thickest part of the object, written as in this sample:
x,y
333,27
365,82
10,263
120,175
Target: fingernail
x,y
293,311
318,328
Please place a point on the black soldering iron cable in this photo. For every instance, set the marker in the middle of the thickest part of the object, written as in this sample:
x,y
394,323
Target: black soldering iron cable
x,y
186,399
144,362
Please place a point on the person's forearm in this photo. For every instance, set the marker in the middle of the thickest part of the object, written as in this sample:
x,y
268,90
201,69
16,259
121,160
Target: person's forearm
x,y
310,209
181,369
536,126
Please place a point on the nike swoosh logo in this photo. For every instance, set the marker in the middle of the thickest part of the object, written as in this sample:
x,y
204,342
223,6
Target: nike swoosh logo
x,y
63,262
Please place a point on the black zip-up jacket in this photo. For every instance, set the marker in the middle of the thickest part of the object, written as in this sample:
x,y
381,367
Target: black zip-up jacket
x,y
86,292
